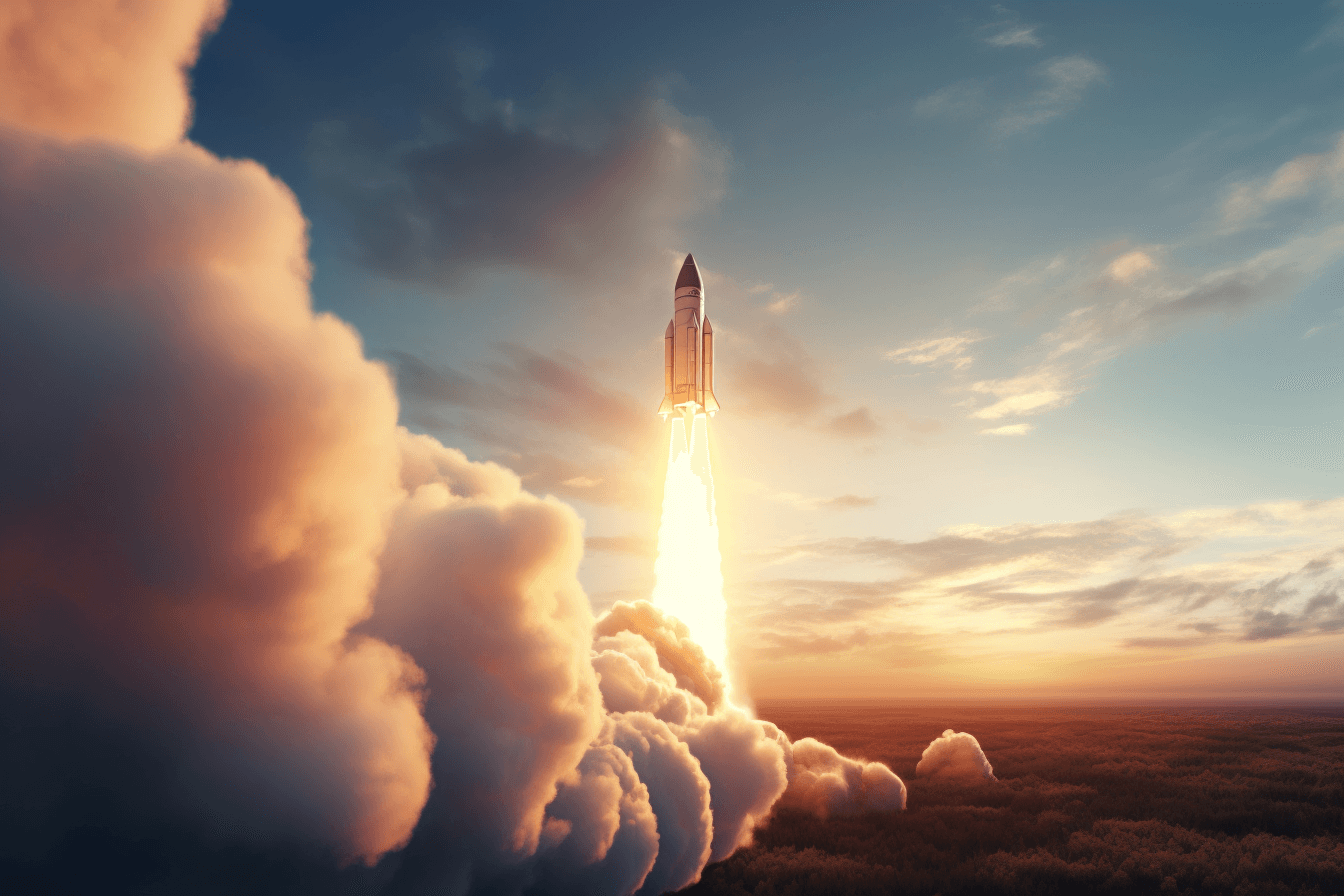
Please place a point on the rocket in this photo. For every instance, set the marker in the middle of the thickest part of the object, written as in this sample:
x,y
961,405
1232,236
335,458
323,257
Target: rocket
x,y
688,381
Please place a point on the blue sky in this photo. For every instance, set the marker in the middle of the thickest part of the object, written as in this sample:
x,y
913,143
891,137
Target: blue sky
x,y
1057,283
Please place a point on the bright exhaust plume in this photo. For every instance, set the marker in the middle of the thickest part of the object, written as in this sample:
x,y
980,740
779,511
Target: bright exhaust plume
x,y
688,571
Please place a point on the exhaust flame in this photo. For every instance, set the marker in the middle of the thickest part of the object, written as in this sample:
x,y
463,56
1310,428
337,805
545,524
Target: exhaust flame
x,y
689,578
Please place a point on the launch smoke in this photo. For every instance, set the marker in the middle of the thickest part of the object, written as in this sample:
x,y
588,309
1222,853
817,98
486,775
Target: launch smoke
x,y
252,629
955,756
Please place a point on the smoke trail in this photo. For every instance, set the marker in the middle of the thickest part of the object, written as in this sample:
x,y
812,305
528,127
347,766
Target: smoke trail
x,y
689,577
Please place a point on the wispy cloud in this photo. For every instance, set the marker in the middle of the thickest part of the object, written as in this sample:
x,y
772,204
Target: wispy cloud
x,y
847,502
964,99
1007,30
1139,293
1015,36
633,545
1065,80
857,424
1062,83
1129,267
566,183
1333,31
594,455
1136,293
1323,612
804,502
1256,572
772,374
1043,389
1320,174
1012,429
776,301
951,351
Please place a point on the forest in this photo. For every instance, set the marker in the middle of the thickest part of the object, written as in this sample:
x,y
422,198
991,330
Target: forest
x,y
1184,800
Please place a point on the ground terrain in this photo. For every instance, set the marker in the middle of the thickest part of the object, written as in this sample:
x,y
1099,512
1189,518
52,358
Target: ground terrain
x,y
1227,800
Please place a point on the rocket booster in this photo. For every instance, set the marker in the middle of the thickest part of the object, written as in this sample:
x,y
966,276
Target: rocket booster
x,y
688,381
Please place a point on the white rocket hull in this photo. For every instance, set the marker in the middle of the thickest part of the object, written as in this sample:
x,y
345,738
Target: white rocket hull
x,y
688,383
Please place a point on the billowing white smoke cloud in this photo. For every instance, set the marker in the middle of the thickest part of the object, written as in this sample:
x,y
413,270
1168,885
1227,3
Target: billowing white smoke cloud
x,y
955,756
826,783
242,608
101,69
196,471
712,775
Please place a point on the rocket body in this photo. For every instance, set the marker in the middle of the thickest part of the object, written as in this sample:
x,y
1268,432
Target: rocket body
x,y
688,352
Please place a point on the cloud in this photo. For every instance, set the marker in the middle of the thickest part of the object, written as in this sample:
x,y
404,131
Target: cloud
x,y
1323,612
716,774
635,545
962,100
1008,31
857,424
198,476
1162,643
963,548
1035,392
1272,273
1015,36
556,391
575,187
247,617
1333,31
811,645
1066,79
1134,299
102,71
1012,429
955,756
1127,267
776,376
942,350
805,502
1267,571
777,302
613,431
772,374
1307,174
847,502
466,580
799,618
826,784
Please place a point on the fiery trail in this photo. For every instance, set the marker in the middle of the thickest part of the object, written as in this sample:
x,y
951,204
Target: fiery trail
x,y
689,578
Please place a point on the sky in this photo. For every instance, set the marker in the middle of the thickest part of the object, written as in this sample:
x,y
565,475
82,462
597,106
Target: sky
x,y
330,468
1029,316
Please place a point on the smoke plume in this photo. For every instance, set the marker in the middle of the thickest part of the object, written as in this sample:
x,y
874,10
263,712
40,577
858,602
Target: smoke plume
x,y
253,631
825,783
955,756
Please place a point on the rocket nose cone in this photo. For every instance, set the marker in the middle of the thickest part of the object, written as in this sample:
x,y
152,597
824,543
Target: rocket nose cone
x,y
690,274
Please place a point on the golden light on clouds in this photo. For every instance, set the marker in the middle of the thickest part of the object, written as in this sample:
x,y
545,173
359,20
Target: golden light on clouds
x,y
1131,265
